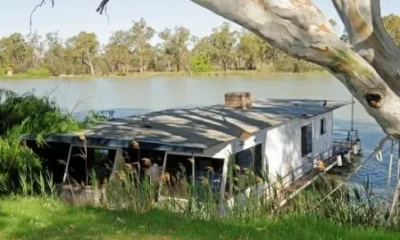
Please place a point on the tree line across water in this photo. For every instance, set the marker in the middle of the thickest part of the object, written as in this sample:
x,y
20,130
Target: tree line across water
x,y
130,51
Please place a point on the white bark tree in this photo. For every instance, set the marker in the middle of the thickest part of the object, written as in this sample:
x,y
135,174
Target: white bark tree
x,y
299,28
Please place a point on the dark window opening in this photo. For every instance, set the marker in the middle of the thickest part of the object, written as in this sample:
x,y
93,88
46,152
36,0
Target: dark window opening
x,y
141,160
84,163
306,140
245,171
53,157
178,177
258,160
210,170
323,126
208,177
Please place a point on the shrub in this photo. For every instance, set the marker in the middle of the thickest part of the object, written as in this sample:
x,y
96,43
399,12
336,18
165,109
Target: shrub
x,y
199,63
26,114
15,160
35,115
38,72
293,65
4,70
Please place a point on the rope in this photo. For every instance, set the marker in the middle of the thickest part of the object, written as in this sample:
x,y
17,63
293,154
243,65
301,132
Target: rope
x,y
350,176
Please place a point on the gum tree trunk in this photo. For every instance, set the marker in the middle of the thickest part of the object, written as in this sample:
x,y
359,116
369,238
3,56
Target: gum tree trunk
x,y
370,71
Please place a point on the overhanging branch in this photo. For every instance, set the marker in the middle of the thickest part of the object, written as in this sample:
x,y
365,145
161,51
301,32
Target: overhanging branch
x,y
39,5
300,29
363,22
102,7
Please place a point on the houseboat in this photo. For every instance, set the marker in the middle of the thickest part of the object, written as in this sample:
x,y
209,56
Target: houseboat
x,y
287,140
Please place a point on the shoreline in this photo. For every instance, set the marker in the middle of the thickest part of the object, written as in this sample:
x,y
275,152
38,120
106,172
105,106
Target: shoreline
x,y
232,73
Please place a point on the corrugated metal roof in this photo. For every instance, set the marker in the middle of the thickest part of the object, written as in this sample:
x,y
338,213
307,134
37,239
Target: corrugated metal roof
x,y
203,127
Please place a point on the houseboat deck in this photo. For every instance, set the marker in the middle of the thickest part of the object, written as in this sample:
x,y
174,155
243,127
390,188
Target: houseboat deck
x,y
306,180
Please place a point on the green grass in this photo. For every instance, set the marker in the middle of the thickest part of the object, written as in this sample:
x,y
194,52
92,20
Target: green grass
x,y
34,218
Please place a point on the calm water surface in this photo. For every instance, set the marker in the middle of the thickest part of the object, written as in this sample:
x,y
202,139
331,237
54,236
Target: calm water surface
x,y
156,93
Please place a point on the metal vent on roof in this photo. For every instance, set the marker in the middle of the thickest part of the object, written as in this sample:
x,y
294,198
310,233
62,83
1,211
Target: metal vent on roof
x,y
145,122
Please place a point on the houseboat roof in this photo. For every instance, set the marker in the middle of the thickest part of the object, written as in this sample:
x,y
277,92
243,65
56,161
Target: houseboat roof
x,y
196,129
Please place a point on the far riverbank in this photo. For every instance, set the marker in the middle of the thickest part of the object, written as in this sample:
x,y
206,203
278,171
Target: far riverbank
x,y
167,74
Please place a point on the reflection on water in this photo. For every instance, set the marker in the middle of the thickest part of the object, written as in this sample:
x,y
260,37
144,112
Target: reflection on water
x,y
156,93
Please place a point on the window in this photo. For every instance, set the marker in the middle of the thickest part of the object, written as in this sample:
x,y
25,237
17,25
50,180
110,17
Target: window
x,y
210,169
84,161
179,169
323,126
306,140
245,170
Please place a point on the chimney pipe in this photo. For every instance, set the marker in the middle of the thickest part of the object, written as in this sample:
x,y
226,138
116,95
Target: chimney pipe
x,y
238,100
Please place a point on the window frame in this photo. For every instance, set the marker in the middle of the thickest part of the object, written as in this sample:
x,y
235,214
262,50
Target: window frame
x,y
306,139
322,127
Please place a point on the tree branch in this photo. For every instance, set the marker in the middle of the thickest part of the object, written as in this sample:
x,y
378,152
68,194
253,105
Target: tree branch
x,y
39,5
300,29
363,22
102,7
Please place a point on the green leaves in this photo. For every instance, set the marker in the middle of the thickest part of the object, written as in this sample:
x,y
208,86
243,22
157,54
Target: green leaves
x,y
392,25
223,41
85,48
252,50
26,114
14,51
175,46
200,63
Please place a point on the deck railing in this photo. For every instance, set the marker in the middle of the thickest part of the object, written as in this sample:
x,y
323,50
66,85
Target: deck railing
x,y
344,139
287,182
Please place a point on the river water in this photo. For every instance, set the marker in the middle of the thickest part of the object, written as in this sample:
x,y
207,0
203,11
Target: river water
x,y
138,94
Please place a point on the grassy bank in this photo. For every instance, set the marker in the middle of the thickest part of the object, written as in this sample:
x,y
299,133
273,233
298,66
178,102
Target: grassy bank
x,y
34,218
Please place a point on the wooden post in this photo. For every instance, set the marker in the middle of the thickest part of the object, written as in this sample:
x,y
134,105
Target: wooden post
x,y
223,182
119,162
193,171
162,173
67,165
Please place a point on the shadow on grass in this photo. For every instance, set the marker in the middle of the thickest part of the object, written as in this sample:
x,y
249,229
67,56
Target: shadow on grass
x,y
41,220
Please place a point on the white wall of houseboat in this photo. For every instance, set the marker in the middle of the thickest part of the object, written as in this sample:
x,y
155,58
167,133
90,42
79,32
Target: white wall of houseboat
x,y
283,147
